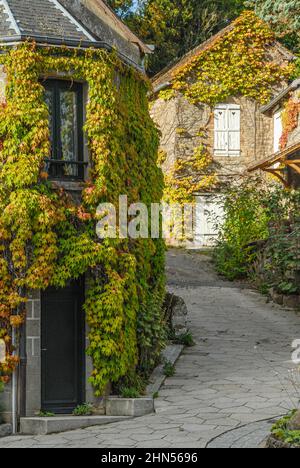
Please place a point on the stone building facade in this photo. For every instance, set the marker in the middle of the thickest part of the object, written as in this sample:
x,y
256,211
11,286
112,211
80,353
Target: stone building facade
x,y
180,121
235,133
78,25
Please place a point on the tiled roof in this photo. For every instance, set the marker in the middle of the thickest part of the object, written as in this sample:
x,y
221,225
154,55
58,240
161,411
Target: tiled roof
x,y
40,18
6,26
78,23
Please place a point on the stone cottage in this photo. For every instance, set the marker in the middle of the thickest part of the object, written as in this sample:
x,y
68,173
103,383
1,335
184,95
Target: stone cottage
x,y
283,112
233,131
78,61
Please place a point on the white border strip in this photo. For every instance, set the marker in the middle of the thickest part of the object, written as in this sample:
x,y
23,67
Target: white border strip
x,y
11,18
73,20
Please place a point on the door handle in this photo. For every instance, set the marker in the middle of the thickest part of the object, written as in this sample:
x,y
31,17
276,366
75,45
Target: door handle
x,y
44,350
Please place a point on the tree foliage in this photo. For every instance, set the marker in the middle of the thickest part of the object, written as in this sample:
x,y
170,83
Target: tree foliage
x,y
121,7
176,26
283,16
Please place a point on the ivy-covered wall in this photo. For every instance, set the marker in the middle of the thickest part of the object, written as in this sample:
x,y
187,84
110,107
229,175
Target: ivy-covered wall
x,y
46,239
243,65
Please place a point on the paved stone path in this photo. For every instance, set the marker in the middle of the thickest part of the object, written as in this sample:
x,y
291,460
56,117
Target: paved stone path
x,y
237,373
252,435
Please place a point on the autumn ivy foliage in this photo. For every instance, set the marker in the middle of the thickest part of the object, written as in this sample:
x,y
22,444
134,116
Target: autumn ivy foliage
x,y
48,240
235,64
289,119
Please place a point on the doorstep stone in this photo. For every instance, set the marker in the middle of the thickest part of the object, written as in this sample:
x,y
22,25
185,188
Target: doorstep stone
x,y
45,426
132,407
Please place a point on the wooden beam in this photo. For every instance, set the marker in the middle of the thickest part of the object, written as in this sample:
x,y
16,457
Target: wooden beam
x,y
277,174
293,166
273,159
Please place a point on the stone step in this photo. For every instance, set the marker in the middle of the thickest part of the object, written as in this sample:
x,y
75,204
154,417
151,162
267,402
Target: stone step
x,y
52,425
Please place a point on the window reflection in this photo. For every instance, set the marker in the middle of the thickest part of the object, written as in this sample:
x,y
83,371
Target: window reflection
x,y
68,129
65,103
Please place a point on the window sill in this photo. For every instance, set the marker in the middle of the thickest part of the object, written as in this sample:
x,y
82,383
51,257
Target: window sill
x,y
227,155
68,185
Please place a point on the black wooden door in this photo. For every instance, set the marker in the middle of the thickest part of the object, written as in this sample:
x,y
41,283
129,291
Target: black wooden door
x,y
63,348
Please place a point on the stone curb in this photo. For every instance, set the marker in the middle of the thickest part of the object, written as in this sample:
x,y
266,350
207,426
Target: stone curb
x,y
136,407
170,354
5,430
53,425
130,407
117,409
289,302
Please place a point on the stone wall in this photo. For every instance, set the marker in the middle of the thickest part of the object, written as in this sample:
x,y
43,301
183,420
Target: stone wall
x,y
34,366
180,123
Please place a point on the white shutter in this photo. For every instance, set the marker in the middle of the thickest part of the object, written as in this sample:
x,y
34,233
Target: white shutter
x,y
221,133
277,130
227,130
234,129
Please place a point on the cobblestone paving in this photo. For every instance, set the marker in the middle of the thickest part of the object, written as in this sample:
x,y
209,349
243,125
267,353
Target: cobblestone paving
x,y
237,373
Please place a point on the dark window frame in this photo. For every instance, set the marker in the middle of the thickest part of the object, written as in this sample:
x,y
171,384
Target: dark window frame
x,y
55,165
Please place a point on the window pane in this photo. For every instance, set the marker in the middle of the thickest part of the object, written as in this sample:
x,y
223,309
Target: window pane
x,y
68,130
49,98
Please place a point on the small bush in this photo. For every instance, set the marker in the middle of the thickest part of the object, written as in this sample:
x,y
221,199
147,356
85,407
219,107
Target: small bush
x,y
169,369
260,237
83,410
132,384
130,393
186,339
246,221
46,414
281,431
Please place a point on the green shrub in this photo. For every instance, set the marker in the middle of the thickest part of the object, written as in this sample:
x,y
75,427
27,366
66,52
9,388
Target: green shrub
x,y
282,432
132,385
246,221
283,247
83,410
46,414
186,339
169,369
260,237
130,393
